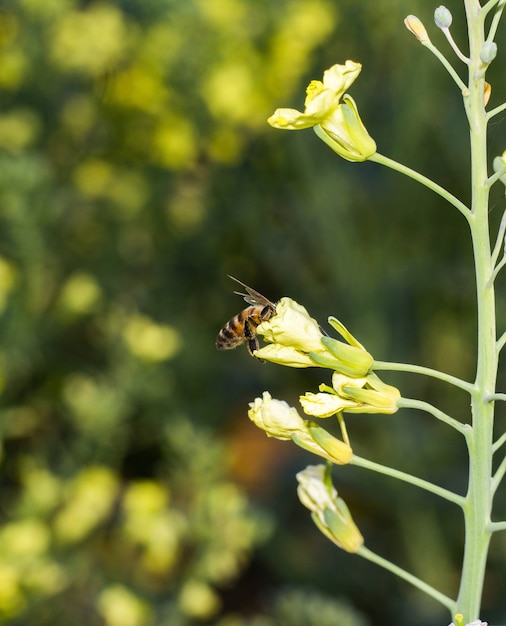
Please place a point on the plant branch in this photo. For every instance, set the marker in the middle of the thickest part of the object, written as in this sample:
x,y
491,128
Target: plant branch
x,y
425,371
499,244
455,48
421,405
495,526
499,344
498,109
410,578
499,475
499,443
495,20
446,64
408,478
430,184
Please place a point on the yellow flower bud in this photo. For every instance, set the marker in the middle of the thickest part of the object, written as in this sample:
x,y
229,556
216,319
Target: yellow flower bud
x,y
324,404
415,26
284,355
369,394
329,512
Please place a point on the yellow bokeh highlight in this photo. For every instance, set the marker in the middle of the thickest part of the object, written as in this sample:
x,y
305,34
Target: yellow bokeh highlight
x,y
150,341
198,600
13,68
80,295
231,91
18,129
224,13
90,497
121,607
79,114
24,538
42,490
8,276
11,597
148,522
96,405
174,142
138,87
305,26
92,41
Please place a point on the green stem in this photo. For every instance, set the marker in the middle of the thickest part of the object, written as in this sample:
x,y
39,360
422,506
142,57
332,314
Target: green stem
x,y
495,20
500,442
479,441
455,48
500,343
410,578
495,526
430,184
426,371
498,476
446,64
496,176
497,269
495,396
499,242
498,109
408,478
410,403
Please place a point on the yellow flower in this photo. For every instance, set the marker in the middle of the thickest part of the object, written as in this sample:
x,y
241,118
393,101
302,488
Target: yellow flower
x,y
275,417
329,512
298,341
324,404
292,326
354,395
369,394
282,421
336,122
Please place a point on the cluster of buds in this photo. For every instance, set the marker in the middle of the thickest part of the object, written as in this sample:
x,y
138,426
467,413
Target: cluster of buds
x,y
295,339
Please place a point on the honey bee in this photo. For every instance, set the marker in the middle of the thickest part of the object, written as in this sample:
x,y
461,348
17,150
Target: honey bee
x,y
242,327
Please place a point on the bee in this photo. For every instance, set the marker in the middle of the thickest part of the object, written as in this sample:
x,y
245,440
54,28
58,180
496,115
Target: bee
x,y
242,327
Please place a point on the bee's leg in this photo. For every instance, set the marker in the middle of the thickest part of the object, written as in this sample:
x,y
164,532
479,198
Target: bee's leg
x,y
251,338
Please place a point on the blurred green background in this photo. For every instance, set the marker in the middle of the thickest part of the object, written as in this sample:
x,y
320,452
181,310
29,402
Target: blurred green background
x,y
136,171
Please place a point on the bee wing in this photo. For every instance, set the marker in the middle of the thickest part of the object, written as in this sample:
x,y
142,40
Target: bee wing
x,y
252,296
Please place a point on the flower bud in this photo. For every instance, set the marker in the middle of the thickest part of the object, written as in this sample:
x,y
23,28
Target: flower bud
x,y
324,404
415,26
442,17
329,512
369,394
488,52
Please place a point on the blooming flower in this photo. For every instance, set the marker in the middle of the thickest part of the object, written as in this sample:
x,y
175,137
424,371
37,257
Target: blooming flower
x,y
333,114
329,512
275,417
